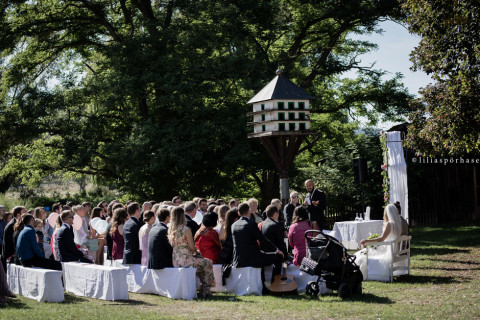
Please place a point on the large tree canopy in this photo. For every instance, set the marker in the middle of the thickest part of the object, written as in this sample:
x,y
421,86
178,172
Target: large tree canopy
x,y
149,96
447,117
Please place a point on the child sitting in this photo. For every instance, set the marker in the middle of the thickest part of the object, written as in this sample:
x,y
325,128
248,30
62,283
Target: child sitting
x,y
38,225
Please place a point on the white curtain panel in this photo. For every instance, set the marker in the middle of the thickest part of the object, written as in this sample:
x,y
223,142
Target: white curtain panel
x,y
397,171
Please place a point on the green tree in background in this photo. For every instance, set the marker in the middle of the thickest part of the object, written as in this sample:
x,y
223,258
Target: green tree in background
x,y
149,96
446,119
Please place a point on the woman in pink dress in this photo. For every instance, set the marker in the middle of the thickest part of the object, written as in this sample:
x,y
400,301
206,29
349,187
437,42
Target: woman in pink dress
x,y
120,215
296,234
149,219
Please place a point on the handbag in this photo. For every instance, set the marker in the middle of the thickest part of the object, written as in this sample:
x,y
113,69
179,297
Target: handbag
x,y
309,266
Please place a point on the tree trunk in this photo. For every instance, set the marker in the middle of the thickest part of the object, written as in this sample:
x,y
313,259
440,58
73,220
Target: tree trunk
x,y
270,188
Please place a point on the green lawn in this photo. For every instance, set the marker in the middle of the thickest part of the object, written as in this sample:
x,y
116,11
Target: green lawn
x,y
444,283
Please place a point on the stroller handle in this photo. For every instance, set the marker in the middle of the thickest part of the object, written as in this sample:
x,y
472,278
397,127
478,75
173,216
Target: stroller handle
x,y
317,232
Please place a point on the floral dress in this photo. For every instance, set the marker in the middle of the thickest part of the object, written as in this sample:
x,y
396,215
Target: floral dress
x,y
182,256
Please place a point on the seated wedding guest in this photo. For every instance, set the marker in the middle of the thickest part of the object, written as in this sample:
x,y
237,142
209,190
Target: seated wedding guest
x,y
8,217
3,223
67,249
131,249
296,234
185,255
246,252
81,235
226,254
120,216
95,241
159,249
38,225
149,220
9,243
201,210
177,200
206,239
47,230
255,216
190,213
17,229
273,230
405,226
222,213
290,207
28,250
53,240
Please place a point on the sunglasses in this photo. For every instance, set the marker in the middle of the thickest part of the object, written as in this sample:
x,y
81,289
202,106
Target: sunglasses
x,y
294,197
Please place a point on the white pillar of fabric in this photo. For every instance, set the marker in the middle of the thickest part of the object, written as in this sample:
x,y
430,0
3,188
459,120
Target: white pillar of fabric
x,y
397,171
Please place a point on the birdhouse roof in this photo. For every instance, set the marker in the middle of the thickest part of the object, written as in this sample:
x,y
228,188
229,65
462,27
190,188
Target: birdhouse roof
x,y
280,88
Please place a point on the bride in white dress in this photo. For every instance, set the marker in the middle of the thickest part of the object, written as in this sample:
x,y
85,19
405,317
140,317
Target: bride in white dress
x,y
380,258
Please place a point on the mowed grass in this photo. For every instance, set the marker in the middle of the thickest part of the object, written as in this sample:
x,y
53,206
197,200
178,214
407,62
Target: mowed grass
x,y
444,284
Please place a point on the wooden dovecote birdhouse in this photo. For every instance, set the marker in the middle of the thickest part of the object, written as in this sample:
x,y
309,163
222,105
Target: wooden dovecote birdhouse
x,y
281,121
280,108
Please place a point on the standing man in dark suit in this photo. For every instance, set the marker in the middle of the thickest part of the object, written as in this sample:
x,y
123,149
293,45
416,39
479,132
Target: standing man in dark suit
x,y
316,202
190,212
273,231
246,252
8,240
131,252
159,249
67,249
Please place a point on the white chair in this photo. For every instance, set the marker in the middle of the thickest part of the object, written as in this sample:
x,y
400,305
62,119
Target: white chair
x,y
399,260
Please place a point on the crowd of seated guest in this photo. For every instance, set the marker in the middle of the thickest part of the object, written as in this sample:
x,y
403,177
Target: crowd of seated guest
x,y
160,235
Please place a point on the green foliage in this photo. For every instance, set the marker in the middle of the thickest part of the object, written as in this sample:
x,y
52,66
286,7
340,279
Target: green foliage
x,y
446,118
149,97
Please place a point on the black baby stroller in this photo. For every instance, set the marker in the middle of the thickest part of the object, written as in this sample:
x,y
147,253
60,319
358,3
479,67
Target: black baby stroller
x,y
328,259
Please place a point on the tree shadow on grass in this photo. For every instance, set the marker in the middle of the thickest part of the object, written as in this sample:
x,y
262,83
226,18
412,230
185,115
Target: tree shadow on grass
x,y
14,304
437,251
71,298
450,261
414,279
129,302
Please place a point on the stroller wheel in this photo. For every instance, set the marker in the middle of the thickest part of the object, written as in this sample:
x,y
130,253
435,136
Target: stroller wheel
x,y
312,289
344,291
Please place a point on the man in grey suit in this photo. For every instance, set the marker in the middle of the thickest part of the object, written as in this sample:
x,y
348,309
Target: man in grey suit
x,y
131,252
159,249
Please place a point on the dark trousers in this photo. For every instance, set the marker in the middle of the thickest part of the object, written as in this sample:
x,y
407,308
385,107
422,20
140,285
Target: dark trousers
x,y
267,260
42,263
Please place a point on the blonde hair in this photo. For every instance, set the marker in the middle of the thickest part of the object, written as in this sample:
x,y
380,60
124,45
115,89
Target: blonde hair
x,y
177,221
276,202
252,201
37,222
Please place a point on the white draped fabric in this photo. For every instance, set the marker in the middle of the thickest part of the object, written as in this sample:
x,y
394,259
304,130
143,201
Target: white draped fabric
x,y
350,233
43,285
182,283
397,171
94,281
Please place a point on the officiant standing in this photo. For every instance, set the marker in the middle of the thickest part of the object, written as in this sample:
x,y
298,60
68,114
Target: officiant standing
x,y
315,201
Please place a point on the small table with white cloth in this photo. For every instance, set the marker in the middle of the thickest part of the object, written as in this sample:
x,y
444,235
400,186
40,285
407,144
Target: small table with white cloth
x,y
350,233
94,281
